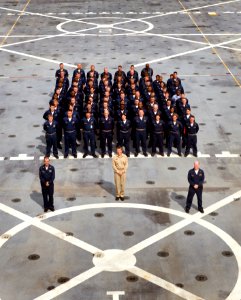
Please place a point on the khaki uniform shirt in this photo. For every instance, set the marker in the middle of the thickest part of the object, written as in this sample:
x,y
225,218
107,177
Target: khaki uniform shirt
x,y
120,163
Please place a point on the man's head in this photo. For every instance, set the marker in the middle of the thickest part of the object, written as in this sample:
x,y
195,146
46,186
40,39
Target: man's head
x,y
196,165
119,150
46,161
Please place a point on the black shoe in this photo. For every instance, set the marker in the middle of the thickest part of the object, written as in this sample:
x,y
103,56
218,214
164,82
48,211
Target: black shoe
x,y
66,155
75,155
46,209
117,198
135,154
201,210
122,198
187,210
47,155
110,154
145,154
59,146
52,208
195,155
153,154
56,156
186,154
94,155
85,154
128,154
168,154
180,154
102,155
161,153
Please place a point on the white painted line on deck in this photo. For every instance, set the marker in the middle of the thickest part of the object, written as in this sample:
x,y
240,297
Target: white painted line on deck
x,y
22,157
164,284
227,154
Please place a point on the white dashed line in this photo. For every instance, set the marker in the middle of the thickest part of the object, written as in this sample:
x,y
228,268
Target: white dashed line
x,y
22,157
227,154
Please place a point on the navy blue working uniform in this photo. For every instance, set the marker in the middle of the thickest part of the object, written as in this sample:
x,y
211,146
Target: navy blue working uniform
x,y
51,137
88,126
106,135
140,134
158,129
70,135
191,132
123,135
175,131
47,176
195,178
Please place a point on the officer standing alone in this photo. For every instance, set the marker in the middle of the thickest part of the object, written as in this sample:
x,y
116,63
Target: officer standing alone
x,y
120,165
196,179
47,176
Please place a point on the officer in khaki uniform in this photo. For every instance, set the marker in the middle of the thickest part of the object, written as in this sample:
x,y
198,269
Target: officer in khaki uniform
x,y
120,165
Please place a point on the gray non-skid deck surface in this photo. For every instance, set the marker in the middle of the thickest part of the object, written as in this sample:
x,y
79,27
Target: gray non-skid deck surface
x,y
164,266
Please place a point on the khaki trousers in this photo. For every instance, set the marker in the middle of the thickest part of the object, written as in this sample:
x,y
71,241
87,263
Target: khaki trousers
x,y
120,181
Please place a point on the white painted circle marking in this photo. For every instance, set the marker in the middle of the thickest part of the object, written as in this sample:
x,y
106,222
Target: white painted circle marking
x,y
60,26
114,260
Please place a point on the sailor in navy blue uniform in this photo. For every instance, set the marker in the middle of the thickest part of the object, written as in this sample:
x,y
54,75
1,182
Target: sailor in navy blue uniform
x,y
47,176
192,129
69,124
196,179
50,127
88,126
106,125
123,134
61,69
158,129
175,130
140,125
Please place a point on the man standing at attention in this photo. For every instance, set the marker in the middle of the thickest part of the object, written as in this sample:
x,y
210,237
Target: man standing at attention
x,y
47,176
120,165
196,179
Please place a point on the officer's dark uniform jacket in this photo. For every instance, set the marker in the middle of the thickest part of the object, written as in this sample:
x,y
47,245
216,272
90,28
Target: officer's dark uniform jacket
x,y
50,129
141,125
70,126
192,130
123,127
46,175
106,126
194,178
158,128
88,126
175,129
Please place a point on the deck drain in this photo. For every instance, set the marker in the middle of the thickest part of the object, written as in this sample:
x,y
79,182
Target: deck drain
x,y
228,133
180,197
74,169
29,87
6,236
189,232
40,108
99,182
194,106
69,233
51,287
63,279
30,146
99,215
202,124
213,214
221,168
24,171
150,182
218,115
12,136
237,199
223,92
227,253
19,117
172,168
210,144
201,277
132,278
16,200
180,285
128,233
232,106
163,254
24,101
36,125
71,199
8,94
210,99
44,94
33,257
